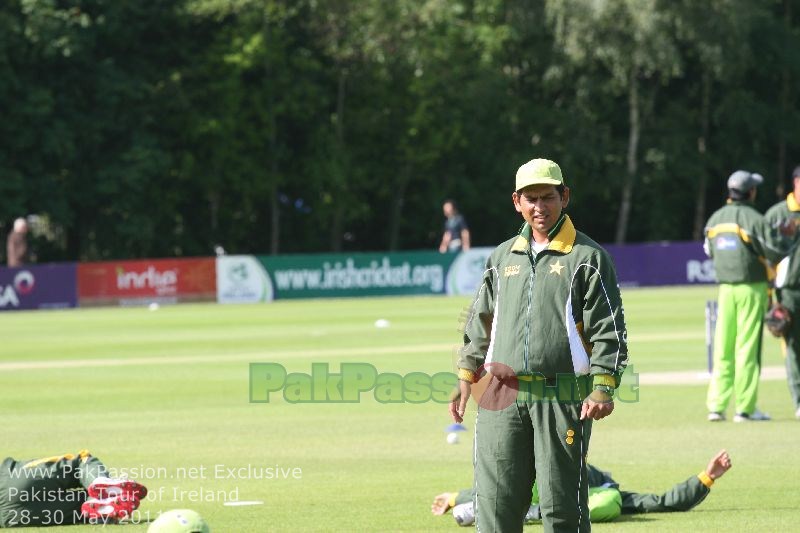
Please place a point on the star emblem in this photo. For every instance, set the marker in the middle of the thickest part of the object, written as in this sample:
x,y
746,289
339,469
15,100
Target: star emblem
x,y
556,268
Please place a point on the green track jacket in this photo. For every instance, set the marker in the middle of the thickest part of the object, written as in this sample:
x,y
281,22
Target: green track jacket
x,y
740,241
559,312
789,269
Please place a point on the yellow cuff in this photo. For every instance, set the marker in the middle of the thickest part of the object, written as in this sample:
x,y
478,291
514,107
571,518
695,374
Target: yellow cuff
x,y
605,379
705,479
466,375
451,501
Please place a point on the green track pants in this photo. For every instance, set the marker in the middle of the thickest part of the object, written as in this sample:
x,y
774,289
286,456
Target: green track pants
x,y
737,346
536,437
791,299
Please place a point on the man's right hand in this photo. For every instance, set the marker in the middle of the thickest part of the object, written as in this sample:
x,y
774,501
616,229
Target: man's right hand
x,y
718,465
458,403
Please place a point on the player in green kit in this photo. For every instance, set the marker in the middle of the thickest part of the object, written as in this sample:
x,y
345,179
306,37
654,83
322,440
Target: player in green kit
x,y
63,490
606,500
547,324
740,242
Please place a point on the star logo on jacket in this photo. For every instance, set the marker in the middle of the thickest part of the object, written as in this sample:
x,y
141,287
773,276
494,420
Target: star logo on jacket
x,y
556,268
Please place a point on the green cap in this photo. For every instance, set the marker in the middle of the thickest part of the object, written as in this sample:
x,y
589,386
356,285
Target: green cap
x,y
179,521
539,172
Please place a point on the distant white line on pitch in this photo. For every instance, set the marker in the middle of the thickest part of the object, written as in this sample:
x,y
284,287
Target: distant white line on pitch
x,y
667,336
361,351
694,377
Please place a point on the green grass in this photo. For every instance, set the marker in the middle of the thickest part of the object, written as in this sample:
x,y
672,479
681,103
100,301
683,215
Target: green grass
x,y
177,397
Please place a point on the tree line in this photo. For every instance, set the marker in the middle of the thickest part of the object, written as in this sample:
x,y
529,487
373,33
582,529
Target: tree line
x,y
147,128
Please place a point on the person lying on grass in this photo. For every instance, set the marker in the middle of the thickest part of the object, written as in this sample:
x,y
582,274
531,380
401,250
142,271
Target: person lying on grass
x,y
606,500
63,490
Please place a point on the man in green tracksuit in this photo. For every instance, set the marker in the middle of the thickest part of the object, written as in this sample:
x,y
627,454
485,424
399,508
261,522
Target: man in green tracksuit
x,y
547,325
785,215
740,242
62,490
606,500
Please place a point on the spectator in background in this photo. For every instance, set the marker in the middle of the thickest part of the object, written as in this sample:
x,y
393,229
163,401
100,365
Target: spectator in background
x,y
786,214
17,244
739,241
456,232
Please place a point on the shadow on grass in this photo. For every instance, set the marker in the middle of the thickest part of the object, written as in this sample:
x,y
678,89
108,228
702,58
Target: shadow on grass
x,y
638,518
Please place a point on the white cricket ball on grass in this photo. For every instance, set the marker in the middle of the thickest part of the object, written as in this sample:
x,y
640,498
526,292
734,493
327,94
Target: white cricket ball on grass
x,y
453,431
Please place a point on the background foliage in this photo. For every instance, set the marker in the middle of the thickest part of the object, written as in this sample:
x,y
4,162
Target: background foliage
x,y
164,127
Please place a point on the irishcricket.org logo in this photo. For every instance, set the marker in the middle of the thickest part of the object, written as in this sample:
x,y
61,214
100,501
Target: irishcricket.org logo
x,y
163,282
346,275
23,284
354,381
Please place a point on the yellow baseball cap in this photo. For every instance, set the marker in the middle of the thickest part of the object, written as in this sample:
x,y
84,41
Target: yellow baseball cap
x,y
539,172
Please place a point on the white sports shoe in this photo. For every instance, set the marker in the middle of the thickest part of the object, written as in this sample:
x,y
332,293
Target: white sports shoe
x,y
464,514
755,416
716,417
797,413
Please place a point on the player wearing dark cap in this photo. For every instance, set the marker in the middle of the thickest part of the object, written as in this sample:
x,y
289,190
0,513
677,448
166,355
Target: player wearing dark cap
x,y
739,241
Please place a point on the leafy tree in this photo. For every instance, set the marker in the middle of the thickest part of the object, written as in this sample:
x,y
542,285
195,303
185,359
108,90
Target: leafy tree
x,y
164,128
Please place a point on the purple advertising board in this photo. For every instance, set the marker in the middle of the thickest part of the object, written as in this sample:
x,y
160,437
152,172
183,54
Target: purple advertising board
x,y
661,263
52,286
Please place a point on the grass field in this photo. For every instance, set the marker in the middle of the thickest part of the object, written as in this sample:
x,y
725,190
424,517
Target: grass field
x,y
168,390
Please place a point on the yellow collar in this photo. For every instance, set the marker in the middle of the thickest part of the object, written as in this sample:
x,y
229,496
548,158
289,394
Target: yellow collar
x,y
791,202
565,238
562,242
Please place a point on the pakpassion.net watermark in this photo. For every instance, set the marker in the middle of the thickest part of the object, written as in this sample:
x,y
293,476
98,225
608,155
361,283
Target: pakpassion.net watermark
x,y
354,381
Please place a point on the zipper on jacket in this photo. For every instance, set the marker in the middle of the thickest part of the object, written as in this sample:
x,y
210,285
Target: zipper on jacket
x,y
528,313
